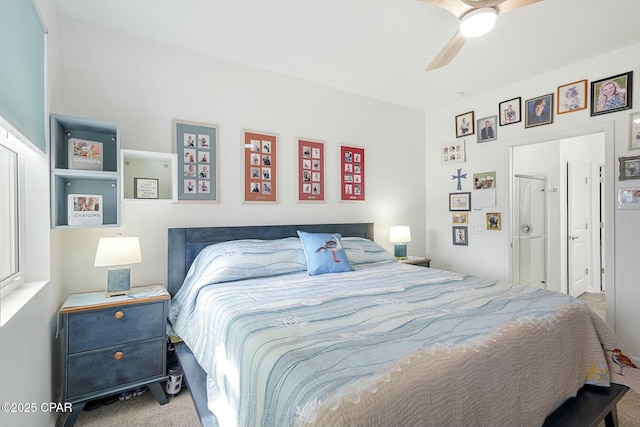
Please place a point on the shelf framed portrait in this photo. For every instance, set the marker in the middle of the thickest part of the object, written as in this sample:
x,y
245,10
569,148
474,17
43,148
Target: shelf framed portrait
x,y
196,145
612,94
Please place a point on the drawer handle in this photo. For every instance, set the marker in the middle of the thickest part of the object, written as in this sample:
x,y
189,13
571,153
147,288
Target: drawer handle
x,y
118,355
119,314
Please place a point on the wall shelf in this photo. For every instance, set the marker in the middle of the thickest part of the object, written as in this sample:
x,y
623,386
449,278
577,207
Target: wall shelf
x,y
66,180
149,164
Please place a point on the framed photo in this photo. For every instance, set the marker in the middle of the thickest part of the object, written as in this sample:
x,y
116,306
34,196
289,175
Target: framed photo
x,y
310,170
539,111
572,97
464,124
629,198
260,166
494,221
453,153
145,188
487,129
460,201
351,173
629,168
460,218
634,131
196,145
460,235
509,111
84,209
612,94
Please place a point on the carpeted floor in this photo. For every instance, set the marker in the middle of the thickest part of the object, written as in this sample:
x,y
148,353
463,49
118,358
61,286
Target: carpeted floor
x,y
144,411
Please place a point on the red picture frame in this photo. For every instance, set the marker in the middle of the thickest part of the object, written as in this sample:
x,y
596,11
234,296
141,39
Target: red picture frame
x,y
310,170
352,173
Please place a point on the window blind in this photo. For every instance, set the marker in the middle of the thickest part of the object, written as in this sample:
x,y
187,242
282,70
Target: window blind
x,y
22,70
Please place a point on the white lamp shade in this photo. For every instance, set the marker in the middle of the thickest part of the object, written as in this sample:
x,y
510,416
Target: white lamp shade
x,y
478,22
400,234
117,251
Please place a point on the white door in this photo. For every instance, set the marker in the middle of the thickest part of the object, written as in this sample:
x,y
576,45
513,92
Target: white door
x,y
578,242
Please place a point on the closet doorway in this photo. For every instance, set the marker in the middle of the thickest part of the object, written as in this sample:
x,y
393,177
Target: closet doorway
x,y
547,250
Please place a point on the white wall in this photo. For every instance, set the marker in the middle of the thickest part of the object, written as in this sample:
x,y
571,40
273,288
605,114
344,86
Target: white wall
x,y
488,254
143,85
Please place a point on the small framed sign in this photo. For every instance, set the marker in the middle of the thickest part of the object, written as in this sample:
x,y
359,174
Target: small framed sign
x,y
145,188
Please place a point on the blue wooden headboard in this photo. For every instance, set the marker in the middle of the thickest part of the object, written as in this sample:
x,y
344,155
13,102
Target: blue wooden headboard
x,y
186,243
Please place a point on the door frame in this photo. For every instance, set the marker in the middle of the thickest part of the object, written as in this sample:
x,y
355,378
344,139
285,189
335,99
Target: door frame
x,y
607,128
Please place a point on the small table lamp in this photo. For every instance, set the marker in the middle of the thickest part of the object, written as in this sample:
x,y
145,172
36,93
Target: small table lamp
x,y
400,235
118,251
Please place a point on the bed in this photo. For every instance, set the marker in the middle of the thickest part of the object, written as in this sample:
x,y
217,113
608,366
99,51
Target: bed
x,y
378,343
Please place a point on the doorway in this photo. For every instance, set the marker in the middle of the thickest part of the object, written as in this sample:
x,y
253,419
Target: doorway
x,y
561,178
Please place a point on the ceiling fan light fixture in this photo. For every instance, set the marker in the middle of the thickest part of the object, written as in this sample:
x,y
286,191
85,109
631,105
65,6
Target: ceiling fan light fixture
x,y
478,22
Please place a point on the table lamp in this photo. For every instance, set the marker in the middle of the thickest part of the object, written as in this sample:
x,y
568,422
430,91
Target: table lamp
x,y
400,235
116,252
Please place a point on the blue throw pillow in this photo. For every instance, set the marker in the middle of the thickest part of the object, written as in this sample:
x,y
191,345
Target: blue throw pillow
x,y
324,253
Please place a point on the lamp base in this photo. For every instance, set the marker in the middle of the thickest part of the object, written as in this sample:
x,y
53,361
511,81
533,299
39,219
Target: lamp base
x,y
118,282
400,251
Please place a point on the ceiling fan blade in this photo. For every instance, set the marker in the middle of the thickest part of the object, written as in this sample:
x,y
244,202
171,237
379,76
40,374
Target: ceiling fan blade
x,y
448,52
457,7
510,5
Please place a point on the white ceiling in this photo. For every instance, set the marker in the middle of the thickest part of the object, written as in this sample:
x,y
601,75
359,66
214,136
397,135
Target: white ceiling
x,y
377,48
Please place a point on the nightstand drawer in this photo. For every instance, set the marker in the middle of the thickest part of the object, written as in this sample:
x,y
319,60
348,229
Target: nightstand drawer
x,y
114,366
89,330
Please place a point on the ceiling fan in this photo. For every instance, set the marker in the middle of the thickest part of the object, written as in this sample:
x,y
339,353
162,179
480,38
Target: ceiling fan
x,y
471,12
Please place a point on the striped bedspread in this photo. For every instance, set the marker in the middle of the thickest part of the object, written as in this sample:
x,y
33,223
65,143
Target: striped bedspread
x,y
388,344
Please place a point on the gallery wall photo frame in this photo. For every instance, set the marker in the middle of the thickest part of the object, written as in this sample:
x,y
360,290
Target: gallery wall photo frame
x,y
629,198
460,218
460,201
352,173
634,131
571,97
486,129
196,146
465,124
460,235
493,220
612,94
260,166
510,111
453,153
629,168
311,160
539,111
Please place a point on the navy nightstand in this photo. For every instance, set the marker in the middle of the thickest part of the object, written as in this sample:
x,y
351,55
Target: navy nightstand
x,y
110,345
